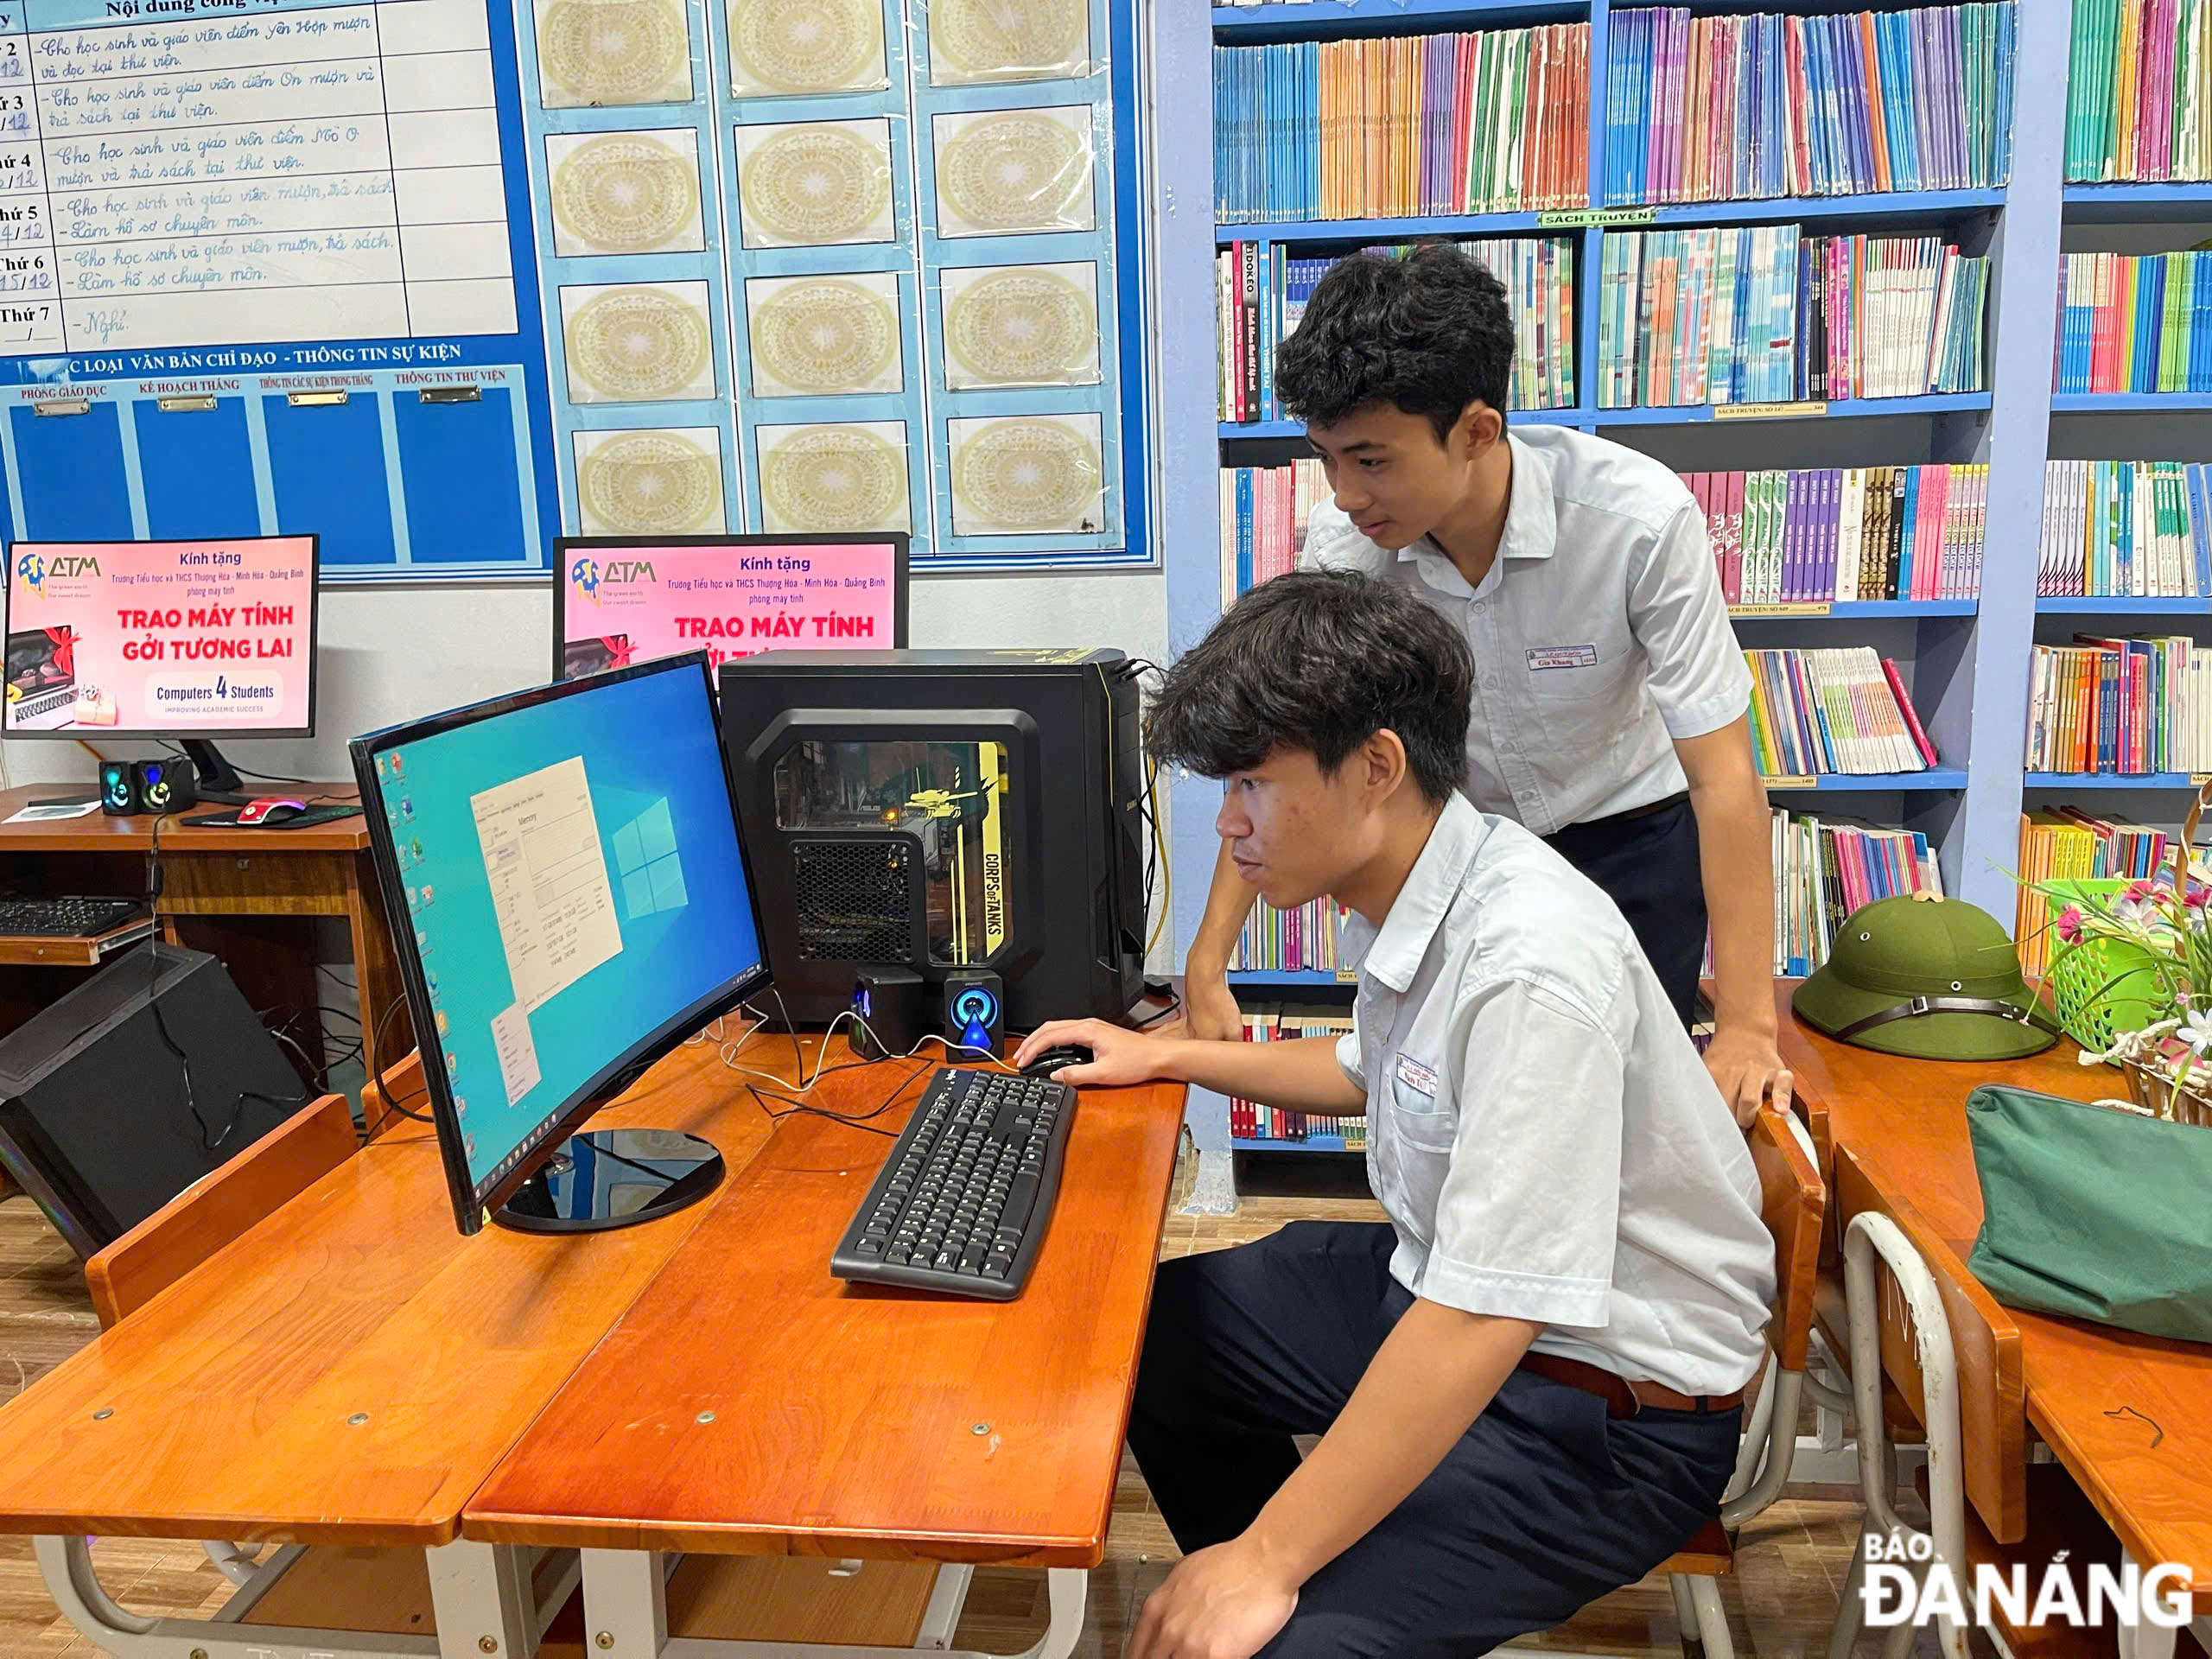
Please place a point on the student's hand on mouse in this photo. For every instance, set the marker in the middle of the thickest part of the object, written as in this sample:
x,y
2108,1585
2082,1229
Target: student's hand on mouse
x,y
1748,1067
1117,1055
1221,1603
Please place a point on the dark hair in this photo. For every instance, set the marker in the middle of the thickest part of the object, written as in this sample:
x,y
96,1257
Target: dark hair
x,y
1320,660
1431,332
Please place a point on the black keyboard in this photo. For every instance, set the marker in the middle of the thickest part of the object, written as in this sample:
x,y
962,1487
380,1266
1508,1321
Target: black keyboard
x,y
963,1200
66,919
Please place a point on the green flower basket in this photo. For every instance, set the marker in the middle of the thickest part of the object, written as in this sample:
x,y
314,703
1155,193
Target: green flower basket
x,y
2106,986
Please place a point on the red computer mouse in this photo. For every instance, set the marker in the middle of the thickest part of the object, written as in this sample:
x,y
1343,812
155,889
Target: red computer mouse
x,y
271,810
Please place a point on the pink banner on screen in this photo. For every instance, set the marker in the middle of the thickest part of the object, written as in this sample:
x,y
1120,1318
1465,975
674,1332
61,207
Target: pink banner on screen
x,y
629,605
183,637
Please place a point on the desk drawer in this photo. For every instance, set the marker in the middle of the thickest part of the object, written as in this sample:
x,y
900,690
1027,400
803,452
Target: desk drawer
x,y
233,884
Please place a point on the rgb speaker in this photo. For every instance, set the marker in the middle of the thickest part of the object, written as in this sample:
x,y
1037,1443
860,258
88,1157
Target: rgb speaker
x,y
975,1009
888,1004
118,788
166,786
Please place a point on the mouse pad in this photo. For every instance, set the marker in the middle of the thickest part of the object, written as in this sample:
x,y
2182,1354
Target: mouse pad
x,y
305,820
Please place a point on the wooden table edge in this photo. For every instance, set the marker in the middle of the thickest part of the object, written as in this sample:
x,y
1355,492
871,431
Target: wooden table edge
x,y
723,1538
383,1535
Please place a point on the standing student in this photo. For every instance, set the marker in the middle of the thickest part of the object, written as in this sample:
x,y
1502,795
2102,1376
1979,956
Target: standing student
x,y
1610,710
1527,1383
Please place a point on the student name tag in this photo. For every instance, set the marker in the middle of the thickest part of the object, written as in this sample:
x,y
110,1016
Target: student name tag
x,y
1544,657
1419,1079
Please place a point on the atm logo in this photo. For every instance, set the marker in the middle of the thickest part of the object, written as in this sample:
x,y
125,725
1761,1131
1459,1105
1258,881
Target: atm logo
x,y
587,576
37,573
30,569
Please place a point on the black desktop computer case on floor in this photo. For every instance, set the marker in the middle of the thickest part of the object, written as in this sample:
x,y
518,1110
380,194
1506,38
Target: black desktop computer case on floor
x,y
945,808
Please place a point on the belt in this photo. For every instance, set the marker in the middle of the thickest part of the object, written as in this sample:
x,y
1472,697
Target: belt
x,y
1623,1398
1647,811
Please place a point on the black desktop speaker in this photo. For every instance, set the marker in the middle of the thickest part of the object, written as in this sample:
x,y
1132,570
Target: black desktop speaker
x,y
166,786
133,1086
887,1004
119,788
975,1010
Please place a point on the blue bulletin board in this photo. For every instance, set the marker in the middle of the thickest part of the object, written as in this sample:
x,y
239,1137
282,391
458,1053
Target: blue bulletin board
x,y
830,266
674,266
265,266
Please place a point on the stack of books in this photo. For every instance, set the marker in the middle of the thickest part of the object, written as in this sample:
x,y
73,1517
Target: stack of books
x,y
2138,91
1843,710
1302,940
2125,706
1760,315
1825,868
1715,109
1264,511
2064,844
2125,529
1261,293
2135,322
1826,534
1289,1022
1404,126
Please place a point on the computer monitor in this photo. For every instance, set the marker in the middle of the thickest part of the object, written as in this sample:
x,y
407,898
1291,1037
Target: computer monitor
x,y
623,600
184,640
570,900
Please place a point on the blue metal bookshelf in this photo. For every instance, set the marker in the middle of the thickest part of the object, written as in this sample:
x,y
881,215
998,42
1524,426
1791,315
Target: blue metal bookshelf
x,y
2077,780
1695,414
1312,1143
1860,783
2123,607
1315,20
1286,976
1849,610
2136,203
2128,403
1970,677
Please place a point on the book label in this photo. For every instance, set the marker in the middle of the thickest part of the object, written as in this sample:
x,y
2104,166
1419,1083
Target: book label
x,y
1767,411
1804,782
1806,608
1576,219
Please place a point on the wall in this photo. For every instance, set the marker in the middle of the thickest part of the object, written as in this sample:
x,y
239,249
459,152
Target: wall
x,y
389,654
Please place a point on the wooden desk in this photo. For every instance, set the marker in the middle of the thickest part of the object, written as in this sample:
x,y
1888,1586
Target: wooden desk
x,y
749,1404
349,1371
236,894
1903,1124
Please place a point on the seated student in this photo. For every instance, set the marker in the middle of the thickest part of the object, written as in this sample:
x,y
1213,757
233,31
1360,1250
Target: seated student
x,y
1527,1383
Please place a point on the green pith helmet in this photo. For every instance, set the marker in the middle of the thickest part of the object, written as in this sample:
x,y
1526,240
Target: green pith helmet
x,y
1934,979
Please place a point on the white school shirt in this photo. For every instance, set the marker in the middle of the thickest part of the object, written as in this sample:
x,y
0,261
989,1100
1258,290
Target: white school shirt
x,y
1541,1132
1599,631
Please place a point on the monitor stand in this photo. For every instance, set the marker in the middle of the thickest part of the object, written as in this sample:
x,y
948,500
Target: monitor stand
x,y
219,781
601,1178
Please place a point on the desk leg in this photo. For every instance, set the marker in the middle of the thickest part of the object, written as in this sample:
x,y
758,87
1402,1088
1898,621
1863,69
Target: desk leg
x,y
625,1603
626,1616
67,1565
482,1595
2144,1639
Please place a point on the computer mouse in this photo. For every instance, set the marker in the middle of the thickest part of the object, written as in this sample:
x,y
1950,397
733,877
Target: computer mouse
x,y
1055,1061
270,810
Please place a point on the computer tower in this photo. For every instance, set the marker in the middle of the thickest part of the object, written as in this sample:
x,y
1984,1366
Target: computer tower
x,y
944,809
96,1122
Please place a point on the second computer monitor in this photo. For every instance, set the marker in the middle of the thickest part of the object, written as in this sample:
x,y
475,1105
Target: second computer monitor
x,y
623,600
206,639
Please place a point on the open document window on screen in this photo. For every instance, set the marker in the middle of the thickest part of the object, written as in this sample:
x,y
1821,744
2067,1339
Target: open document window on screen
x,y
576,903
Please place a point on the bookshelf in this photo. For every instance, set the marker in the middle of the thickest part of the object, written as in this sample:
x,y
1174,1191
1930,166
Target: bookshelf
x,y
1969,658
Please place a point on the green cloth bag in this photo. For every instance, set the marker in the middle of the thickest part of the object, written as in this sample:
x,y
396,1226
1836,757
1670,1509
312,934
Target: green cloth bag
x,y
2093,1213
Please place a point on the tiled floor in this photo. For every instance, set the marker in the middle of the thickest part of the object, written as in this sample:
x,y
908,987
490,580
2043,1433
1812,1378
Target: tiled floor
x,y
1780,1603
